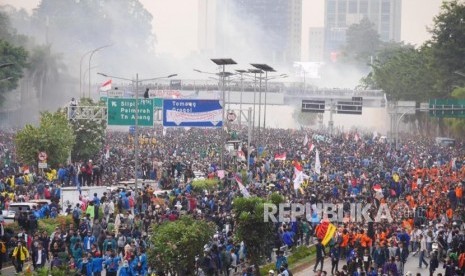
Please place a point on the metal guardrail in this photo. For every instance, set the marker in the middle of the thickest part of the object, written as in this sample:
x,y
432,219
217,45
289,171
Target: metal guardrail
x,y
93,113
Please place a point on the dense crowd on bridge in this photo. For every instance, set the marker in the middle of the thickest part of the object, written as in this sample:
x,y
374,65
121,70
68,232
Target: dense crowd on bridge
x,y
420,181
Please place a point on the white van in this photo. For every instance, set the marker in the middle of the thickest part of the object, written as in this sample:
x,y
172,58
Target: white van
x,y
13,208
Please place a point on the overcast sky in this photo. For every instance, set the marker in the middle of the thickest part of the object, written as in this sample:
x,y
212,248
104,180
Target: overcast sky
x,y
175,21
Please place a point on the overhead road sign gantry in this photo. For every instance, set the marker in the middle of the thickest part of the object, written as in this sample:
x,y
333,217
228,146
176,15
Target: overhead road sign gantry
x,y
353,107
122,112
447,108
313,106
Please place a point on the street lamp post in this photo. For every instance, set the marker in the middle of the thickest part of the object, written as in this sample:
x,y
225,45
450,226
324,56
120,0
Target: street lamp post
x,y
223,63
241,73
266,93
80,72
265,68
136,118
90,60
254,72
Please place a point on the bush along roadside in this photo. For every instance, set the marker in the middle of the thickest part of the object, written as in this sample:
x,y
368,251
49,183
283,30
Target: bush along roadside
x,y
299,258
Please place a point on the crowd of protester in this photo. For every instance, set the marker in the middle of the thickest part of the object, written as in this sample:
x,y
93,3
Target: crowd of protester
x,y
420,181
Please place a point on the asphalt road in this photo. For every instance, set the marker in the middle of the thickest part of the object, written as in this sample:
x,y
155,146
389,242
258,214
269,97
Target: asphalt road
x,y
410,266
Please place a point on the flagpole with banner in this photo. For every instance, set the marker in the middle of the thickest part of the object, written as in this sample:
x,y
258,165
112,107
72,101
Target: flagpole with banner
x,y
317,162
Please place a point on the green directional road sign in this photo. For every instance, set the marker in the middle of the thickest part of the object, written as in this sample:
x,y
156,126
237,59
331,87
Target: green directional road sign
x,y
447,108
157,103
121,112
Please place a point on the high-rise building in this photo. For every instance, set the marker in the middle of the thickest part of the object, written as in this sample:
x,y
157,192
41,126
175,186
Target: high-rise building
x,y
316,42
340,14
268,30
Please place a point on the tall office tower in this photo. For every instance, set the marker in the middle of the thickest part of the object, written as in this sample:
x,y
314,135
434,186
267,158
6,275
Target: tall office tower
x,y
267,31
340,14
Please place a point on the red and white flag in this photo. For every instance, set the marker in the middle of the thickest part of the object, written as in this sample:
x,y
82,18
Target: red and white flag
x,y
299,175
311,146
317,162
242,188
280,156
106,86
241,155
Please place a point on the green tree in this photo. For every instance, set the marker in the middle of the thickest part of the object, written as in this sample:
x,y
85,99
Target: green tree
x,y
252,228
457,126
45,69
53,136
89,134
362,42
447,44
127,24
404,73
304,118
176,244
10,75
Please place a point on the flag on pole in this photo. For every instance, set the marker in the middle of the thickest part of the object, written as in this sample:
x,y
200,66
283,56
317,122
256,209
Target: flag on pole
x,y
317,162
305,140
107,153
220,174
240,155
311,146
280,157
106,86
325,232
299,175
242,188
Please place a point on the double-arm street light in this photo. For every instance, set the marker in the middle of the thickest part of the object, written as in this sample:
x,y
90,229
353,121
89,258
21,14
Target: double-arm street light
x,y
91,52
80,66
137,81
222,62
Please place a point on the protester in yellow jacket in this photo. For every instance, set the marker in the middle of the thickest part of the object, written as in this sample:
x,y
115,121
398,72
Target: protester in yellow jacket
x,y
20,255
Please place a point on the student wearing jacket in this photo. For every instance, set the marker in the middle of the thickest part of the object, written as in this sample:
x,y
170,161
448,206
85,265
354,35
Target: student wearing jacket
x,y
85,266
125,270
135,266
143,261
379,256
88,241
97,266
112,264
20,255
40,256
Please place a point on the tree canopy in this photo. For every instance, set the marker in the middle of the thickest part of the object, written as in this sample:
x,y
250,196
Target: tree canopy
x,y
53,136
252,228
362,42
176,244
90,135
